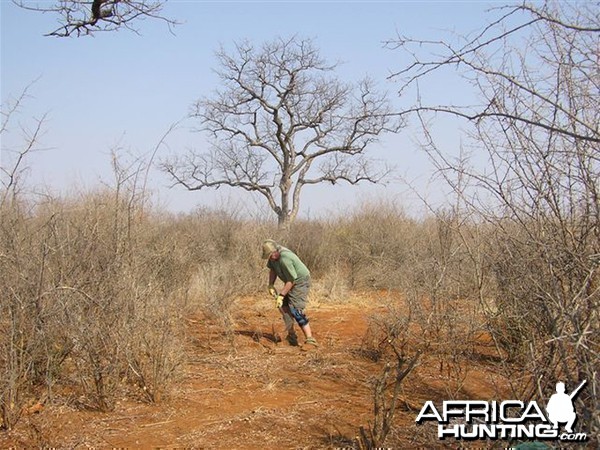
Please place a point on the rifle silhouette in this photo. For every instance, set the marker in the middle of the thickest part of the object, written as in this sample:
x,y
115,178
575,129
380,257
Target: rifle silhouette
x,y
574,393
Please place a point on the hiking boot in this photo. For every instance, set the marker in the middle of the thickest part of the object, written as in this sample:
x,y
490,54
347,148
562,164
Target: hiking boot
x,y
292,340
310,344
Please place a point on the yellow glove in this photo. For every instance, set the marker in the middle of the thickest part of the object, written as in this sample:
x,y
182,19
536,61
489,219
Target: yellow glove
x,y
279,301
272,291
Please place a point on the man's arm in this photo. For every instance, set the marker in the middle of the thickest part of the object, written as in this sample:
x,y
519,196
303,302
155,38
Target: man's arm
x,y
287,287
272,277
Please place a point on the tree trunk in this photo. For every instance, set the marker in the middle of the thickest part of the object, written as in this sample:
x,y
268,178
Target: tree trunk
x,y
283,220
284,216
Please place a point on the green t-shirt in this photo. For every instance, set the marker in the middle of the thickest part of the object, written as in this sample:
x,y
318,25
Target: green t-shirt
x,y
288,267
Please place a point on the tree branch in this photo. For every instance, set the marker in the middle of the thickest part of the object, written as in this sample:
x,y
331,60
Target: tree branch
x,y
81,18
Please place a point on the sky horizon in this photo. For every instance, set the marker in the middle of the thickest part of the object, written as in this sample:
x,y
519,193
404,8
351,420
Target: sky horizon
x,y
124,90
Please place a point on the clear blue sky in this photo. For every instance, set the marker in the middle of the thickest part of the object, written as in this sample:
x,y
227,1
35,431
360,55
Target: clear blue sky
x,y
123,89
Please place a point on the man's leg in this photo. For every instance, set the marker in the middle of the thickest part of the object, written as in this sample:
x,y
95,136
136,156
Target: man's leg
x,y
297,298
289,320
306,330
302,321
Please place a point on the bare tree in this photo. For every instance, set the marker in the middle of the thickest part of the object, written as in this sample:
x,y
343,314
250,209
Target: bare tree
x,y
519,89
391,332
535,68
280,110
81,17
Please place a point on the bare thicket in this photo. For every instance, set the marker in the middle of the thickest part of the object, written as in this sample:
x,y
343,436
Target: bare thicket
x,y
223,262
81,18
537,200
92,293
85,303
16,345
438,283
375,242
283,120
390,339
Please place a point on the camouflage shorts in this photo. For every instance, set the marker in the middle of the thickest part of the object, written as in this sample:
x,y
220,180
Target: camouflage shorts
x,y
294,304
298,296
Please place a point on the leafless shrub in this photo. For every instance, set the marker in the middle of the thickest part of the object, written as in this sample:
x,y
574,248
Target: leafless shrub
x,y
333,286
536,70
392,341
153,351
215,288
309,240
440,289
373,245
89,297
20,355
216,237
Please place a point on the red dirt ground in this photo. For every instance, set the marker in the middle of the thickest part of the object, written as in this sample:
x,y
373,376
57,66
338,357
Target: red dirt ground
x,y
259,394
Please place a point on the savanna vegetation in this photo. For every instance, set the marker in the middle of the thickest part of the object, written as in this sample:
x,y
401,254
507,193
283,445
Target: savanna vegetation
x,y
95,285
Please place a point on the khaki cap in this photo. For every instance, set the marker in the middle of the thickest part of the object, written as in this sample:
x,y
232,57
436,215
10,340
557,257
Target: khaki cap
x,y
269,246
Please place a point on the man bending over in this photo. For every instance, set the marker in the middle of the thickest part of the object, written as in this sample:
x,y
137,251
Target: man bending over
x,y
291,301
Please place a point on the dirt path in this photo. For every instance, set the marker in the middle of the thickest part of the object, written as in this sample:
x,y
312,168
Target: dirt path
x,y
255,393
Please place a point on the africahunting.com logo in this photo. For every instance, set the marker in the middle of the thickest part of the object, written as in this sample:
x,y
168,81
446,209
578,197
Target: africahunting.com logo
x,y
509,419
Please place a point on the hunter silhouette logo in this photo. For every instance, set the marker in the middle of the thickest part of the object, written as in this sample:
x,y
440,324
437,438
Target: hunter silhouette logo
x,y
508,419
560,406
